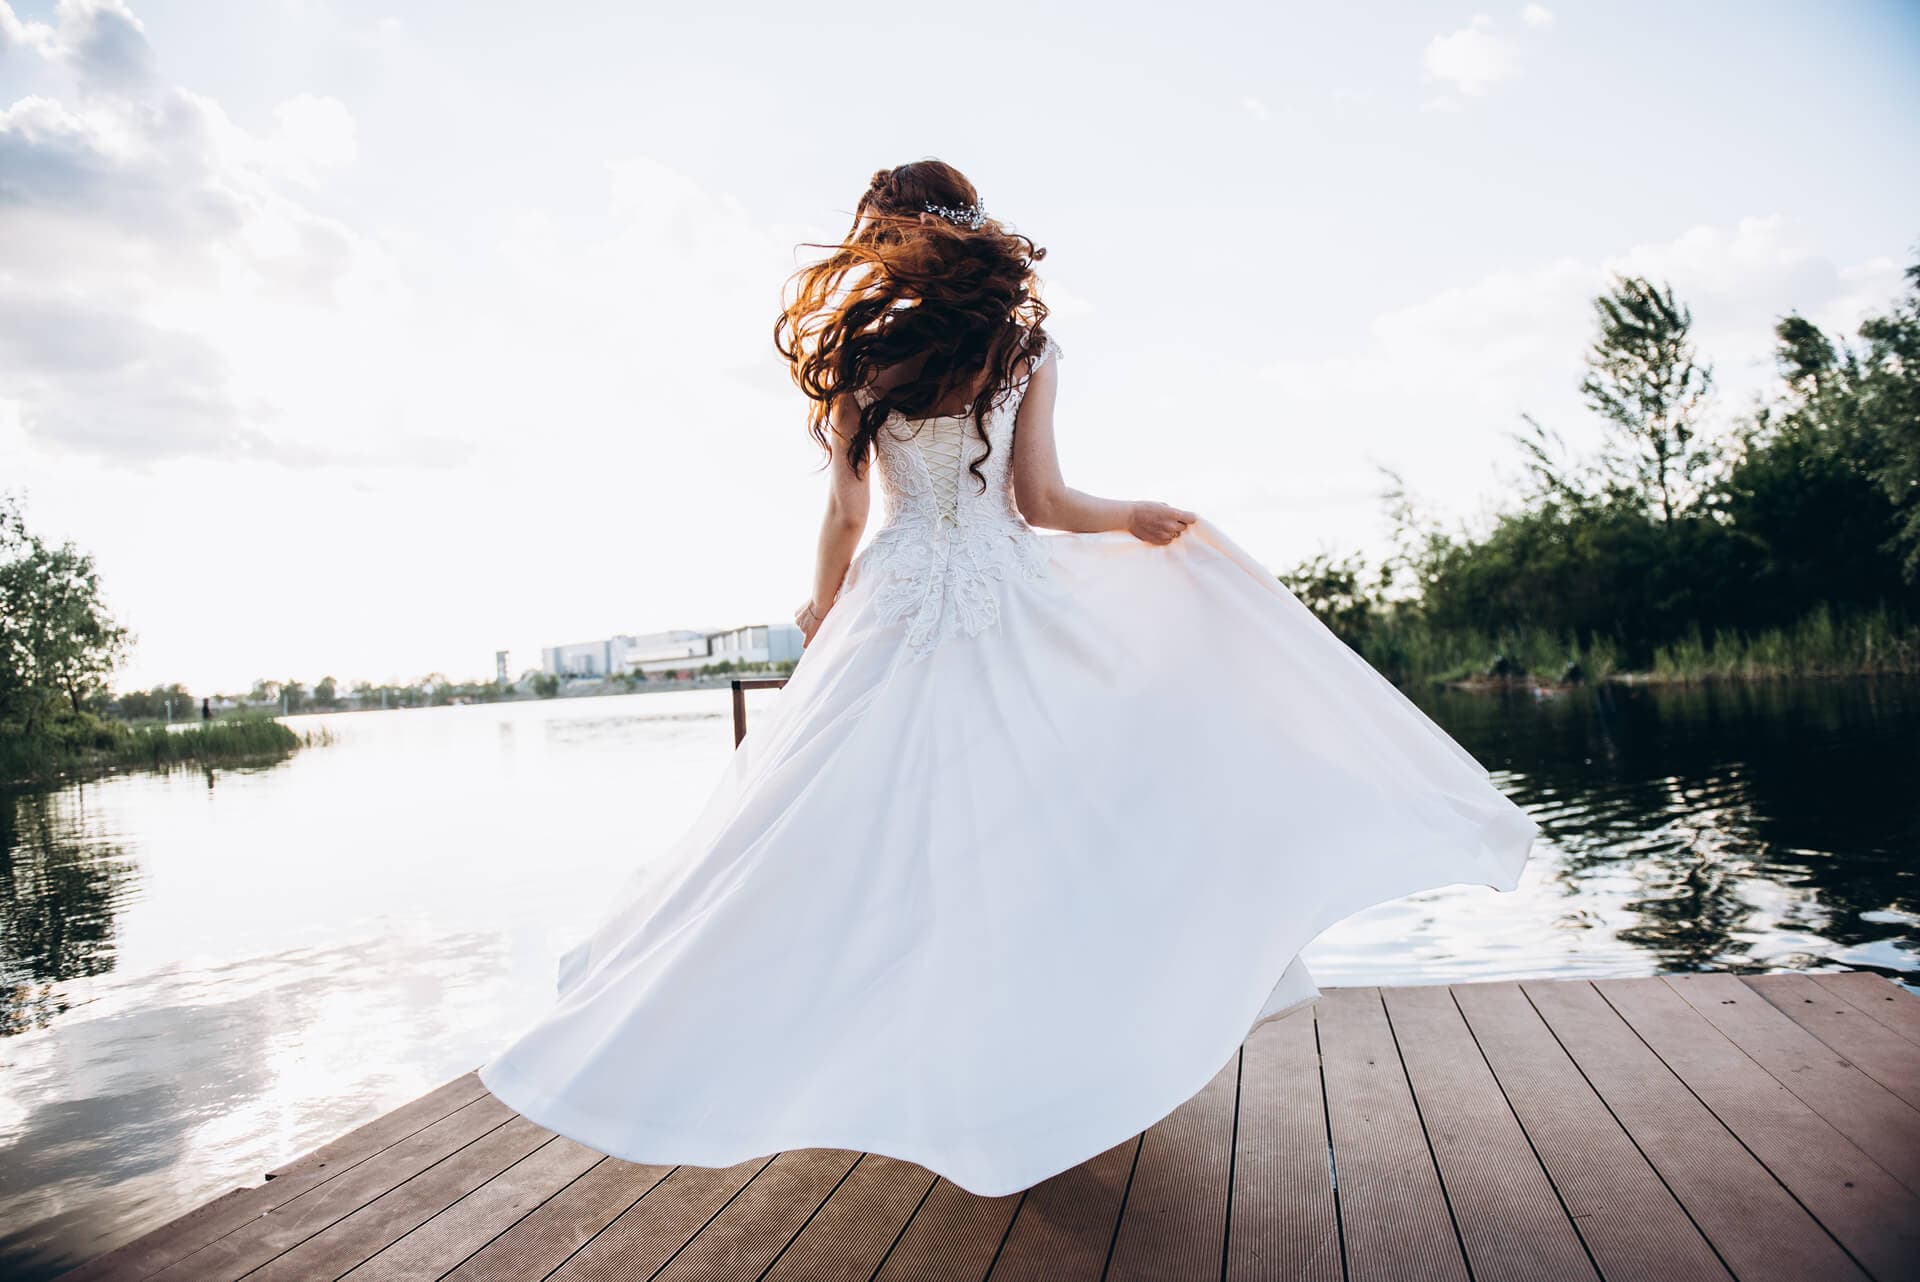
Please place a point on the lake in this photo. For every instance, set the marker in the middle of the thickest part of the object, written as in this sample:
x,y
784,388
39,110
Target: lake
x,y
205,974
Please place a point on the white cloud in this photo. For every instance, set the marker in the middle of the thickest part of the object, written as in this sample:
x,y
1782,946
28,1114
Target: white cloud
x,y
102,44
1472,59
183,313
1477,56
315,134
1255,108
157,279
18,34
1739,280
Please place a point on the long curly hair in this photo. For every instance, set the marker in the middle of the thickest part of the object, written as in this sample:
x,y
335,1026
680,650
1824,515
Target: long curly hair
x,y
904,282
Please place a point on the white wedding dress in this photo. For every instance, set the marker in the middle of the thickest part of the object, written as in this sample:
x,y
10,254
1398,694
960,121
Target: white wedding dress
x,y
1029,843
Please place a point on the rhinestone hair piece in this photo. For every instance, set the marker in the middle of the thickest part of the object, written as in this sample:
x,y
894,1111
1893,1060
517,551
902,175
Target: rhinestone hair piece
x,y
965,216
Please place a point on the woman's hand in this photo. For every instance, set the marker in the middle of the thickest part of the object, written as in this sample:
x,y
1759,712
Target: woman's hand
x,y
1158,523
807,619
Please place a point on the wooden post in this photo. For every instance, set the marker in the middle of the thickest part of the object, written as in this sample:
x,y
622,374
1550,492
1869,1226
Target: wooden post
x,y
740,687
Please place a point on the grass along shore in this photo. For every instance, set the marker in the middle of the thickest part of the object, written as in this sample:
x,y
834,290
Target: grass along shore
x,y
1821,644
87,744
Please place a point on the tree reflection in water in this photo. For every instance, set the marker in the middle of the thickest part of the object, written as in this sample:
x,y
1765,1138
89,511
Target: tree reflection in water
x,y
1761,826
59,884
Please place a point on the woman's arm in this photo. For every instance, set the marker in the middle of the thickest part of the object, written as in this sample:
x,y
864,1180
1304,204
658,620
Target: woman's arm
x,y
1045,498
844,522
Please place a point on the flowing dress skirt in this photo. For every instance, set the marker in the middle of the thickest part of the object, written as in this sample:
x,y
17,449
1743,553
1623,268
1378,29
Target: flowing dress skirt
x,y
998,907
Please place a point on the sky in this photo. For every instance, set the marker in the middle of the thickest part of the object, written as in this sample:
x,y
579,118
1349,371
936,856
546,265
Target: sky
x,y
364,340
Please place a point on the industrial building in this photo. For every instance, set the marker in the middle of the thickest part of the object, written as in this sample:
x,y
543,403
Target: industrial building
x,y
681,650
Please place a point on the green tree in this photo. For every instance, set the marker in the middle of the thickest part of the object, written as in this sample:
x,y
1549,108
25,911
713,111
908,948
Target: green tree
x,y
1643,378
1336,590
326,692
1668,536
1888,388
57,639
1804,492
1826,484
1805,356
153,705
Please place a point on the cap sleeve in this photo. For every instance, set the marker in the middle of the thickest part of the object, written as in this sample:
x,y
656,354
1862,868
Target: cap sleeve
x,y
1050,350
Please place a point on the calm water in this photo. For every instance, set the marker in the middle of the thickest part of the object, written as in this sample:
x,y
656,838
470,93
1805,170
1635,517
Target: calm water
x,y
202,976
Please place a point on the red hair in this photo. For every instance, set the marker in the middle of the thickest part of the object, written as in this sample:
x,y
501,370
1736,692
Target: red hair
x,y
900,285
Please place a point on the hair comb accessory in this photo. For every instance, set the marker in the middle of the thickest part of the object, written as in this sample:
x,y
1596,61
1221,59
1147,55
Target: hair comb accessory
x,y
965,216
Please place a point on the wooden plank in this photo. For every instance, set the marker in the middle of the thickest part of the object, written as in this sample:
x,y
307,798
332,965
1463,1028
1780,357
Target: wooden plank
x,y
852,1233
443,1100
1873,1215
349,1242
1508,1214
1883,1125
1628,1218
544,1240
434,1248
1878,996
1282,1222
1393,1210
1775,1114
1757,1228
1175,1225
744,1238
264,1237
175,1239
648,1234
179,1238
1873,1048
1064,1228
954,1234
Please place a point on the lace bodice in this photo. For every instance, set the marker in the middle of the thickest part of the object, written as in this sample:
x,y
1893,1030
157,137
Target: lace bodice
x,y
945,544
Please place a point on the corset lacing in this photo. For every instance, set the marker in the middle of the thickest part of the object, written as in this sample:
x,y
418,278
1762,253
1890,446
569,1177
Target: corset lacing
x,y
942,443
948,551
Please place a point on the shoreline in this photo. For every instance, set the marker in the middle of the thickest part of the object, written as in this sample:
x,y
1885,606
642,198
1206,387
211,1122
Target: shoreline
x,y
580,690
234,743
1524,683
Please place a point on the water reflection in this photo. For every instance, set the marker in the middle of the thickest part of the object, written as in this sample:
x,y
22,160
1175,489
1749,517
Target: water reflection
x,y
201,982
59,879
1732,827
207,1078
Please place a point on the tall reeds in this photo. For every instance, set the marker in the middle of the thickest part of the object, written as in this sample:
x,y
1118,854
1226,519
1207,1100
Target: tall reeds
x,y
87,744
1821,644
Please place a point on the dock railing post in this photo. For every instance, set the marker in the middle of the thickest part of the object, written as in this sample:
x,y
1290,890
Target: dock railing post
x,y
740,687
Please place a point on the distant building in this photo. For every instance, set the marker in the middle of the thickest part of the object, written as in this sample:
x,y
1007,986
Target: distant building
x,y
620,654
754,643
677,651
760,643
581,659
500,667
656,646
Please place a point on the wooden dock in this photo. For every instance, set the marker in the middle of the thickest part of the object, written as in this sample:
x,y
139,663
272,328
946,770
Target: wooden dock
x,y
1682,1127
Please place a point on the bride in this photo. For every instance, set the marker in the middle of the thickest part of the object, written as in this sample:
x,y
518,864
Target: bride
x,y
1037,830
